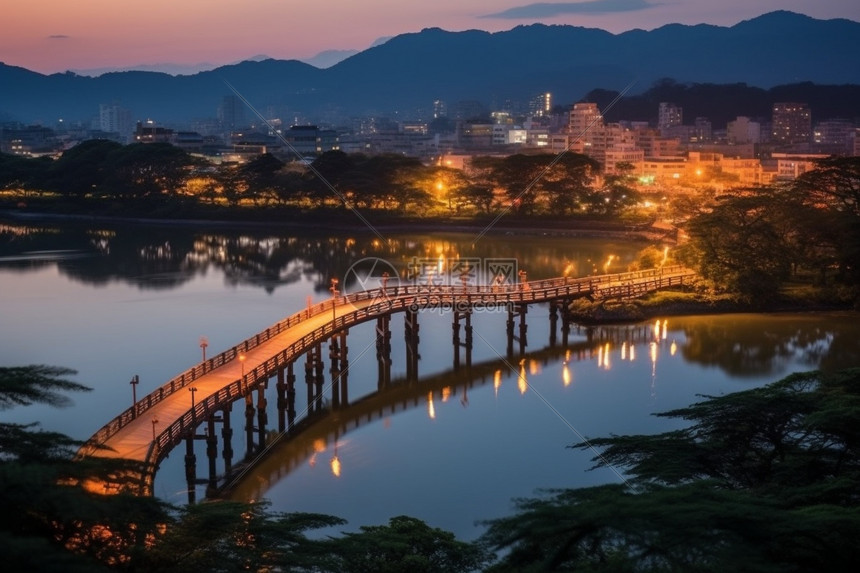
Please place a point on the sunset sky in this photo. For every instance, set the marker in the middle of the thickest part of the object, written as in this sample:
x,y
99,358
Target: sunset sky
x,y
57,35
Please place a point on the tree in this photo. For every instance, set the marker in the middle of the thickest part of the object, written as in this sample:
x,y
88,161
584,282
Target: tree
x,y
745,242
229,536
146,170
260,177
84,169
50,519
831,196
762,480
405,544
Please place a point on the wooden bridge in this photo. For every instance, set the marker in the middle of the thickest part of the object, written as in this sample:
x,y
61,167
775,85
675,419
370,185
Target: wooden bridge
x,y
158,422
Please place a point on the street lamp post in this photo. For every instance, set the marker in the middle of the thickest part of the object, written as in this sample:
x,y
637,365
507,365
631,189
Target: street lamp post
x,y
135,380
334,295
192,390
242,379
204,342
154,422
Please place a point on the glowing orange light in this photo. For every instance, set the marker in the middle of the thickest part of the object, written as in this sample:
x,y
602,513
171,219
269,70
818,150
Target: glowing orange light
x,y
431,409
522,382
565,375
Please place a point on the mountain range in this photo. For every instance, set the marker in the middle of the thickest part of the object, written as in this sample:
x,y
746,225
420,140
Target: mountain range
x,y
404,75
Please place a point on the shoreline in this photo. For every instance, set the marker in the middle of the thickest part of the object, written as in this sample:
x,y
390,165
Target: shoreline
x,y
545,227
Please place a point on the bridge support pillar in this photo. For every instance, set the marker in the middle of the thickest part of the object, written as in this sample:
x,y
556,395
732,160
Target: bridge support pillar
x,y
281,400
565,322
319,377
411,335
227,436
521,310
383,350
212,455
190,467
309,379
455,326
249,424
339,366
262,416
291,395
553,322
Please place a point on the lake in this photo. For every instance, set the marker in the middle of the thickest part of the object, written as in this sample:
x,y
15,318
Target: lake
x,y
114,301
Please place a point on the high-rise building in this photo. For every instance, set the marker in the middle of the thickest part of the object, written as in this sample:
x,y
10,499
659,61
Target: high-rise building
x,y
834,133
792,123
115,119
540,105
585,121
669,115
743,130
231,113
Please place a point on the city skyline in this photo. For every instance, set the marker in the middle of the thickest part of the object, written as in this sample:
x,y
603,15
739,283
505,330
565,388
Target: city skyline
x,y
54,36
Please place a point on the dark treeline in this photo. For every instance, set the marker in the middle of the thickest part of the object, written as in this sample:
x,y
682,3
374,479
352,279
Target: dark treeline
x,y
158,176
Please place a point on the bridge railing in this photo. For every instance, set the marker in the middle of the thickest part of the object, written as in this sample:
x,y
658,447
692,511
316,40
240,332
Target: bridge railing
x,y
532,291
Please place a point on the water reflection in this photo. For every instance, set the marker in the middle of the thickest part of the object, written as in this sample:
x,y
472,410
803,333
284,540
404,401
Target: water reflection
x,y
745,345
166,257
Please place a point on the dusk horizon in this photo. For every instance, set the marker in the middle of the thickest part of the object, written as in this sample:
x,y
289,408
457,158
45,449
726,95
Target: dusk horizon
x,y
160,37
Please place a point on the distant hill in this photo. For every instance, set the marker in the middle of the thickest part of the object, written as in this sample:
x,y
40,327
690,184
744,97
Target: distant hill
x,y
407,72
721,103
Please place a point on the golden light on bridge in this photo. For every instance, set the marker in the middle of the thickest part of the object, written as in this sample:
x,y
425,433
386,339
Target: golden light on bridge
x,y
608,263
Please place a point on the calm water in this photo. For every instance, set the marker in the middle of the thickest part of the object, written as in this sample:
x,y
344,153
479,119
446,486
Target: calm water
x,y
114,302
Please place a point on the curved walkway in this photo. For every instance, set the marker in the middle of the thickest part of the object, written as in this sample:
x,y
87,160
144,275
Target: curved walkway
x,y
147,431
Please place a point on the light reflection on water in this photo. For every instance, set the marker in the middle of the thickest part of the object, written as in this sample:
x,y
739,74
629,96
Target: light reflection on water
x,y
454,448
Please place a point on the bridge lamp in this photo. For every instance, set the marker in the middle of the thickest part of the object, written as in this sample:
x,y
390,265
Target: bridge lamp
x,y
334,295
204,342
192,390
242,362
154,422
135,380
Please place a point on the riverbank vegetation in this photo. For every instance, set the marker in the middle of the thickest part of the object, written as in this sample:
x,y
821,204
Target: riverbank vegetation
x,y
761,480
